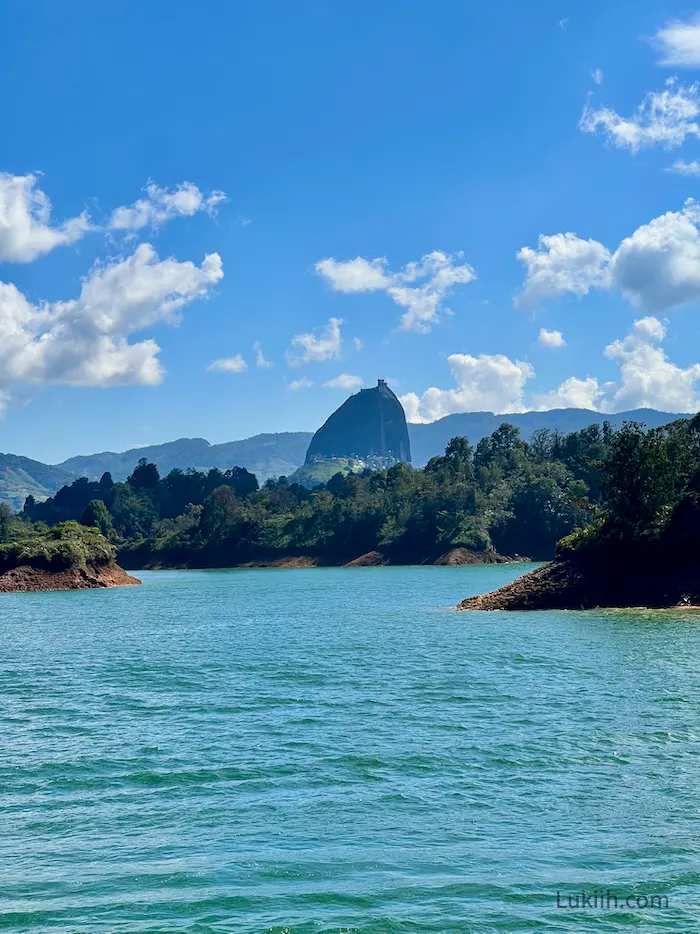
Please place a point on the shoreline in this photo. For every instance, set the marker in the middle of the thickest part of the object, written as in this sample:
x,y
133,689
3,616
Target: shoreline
x,y
611,582
456,557
28,579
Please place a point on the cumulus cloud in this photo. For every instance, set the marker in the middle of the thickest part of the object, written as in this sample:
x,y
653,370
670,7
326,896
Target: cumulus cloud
x,y
648,379
85,341
679,43
260,361
345,381
484,383
561,263
26,231
553,339
234,364
160,205
597,75
354,275
297,384
657,268
316,346
664,118
573,393
421,288
681,167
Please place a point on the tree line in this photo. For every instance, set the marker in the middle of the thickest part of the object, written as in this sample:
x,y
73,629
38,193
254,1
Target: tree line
x,y
505,494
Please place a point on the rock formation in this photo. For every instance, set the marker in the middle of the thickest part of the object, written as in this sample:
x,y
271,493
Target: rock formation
x,y
370,424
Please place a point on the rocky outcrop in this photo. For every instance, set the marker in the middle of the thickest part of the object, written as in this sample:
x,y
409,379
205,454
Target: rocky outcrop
x,y
294,561
370,424
24,579
372,559
583,584
458,557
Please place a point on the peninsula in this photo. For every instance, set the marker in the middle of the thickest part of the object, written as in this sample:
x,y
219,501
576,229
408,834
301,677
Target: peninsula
x,y
642,549
69,556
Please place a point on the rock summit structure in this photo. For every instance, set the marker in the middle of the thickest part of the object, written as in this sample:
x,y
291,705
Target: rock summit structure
x,y
370,425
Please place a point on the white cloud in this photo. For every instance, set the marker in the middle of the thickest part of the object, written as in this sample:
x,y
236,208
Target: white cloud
x,y
354,275
234,364
345,381
552,339
260,361
420,287
664,118
298,384
573,393
25,221
358,342
562,263
161,205
484,383
681,167
85,341
679,43
597,75
647,378
656,268
317,345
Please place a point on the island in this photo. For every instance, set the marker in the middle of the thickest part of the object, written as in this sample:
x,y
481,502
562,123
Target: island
x,y
68,556
642,550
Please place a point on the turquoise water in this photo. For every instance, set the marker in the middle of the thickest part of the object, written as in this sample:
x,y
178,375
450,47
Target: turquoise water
x,y
333,751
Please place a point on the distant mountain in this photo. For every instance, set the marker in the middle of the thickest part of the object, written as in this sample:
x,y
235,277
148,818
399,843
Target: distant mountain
x,y
428,440
269,455
275,455
265,455
370,423
21,476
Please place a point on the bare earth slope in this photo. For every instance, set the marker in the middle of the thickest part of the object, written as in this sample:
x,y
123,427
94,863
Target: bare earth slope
x,y
25,579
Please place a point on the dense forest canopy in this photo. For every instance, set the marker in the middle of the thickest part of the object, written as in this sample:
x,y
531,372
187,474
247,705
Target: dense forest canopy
x,y
505,494
516,497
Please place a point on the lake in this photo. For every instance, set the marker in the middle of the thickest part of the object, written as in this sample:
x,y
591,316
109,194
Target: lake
x,y
334,750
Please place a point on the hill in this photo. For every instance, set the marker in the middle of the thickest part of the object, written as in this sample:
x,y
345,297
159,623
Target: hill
x,y
370,423
429,440
281,454
265,455
21,476
641,548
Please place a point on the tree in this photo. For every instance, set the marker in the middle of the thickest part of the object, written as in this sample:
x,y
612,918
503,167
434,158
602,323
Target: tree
x,y
6,516
96,515
145,476
221,513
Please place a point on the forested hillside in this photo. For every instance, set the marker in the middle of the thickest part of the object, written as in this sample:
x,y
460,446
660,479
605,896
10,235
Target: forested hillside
x,y
505,494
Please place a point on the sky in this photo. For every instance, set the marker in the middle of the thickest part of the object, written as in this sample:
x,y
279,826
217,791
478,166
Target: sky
x,y
220,220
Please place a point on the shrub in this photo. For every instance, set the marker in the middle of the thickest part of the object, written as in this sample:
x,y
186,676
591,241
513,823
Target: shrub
x,y
64,546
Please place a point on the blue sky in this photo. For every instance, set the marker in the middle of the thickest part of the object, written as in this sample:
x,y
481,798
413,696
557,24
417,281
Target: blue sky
x,y
475,201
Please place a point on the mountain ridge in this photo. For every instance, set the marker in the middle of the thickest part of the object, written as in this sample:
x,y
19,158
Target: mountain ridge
x,y
276,454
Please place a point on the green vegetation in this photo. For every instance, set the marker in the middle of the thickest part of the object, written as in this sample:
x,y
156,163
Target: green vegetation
x,y
641,548
650,488
67,545
593,489
265,455
21,477
505,494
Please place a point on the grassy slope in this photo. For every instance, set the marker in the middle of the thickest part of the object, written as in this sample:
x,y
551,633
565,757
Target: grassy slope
x,y
21,476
